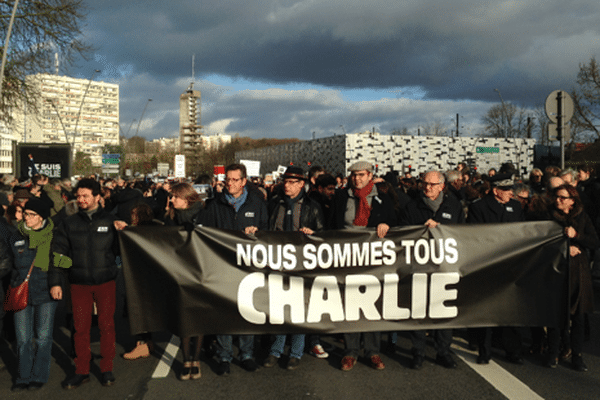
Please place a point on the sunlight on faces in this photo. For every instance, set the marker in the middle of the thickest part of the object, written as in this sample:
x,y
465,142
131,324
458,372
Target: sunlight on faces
x,y
86,200
235,183
360,179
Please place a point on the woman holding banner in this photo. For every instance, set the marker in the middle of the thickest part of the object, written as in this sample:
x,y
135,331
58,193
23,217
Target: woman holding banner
x,y
567,210
184,210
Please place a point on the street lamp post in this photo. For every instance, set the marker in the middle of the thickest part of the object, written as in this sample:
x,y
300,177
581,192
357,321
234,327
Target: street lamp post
x,y
81,105
140,121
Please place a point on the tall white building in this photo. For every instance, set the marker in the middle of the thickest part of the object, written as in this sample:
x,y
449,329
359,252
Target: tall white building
x,y
81,112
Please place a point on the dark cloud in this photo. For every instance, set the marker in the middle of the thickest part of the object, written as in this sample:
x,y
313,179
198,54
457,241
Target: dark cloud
x,y
456,51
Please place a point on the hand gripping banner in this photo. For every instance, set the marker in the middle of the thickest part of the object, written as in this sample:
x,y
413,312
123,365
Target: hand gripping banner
x,y
211,281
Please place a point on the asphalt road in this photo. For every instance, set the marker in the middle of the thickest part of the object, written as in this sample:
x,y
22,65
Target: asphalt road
x,y
317,379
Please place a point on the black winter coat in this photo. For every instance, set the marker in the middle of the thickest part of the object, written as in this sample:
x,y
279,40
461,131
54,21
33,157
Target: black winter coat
x,y
489,210
220,214
311,215
450,212
92,245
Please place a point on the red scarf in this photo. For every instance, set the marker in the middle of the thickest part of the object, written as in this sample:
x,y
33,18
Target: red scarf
x,y
364,209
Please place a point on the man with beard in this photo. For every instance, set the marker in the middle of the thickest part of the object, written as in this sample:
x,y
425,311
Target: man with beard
x,y
358,207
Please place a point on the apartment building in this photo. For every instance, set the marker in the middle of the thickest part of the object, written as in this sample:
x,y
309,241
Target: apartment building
x,y
80,112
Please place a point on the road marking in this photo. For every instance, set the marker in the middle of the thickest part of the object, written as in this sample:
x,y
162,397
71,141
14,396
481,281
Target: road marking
x,y
166,361
497,376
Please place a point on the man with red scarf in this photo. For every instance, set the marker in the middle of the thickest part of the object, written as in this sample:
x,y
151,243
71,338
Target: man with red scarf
x,y
358,207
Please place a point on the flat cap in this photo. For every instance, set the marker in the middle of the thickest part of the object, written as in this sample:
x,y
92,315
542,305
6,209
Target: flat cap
x,y
503,181
361,166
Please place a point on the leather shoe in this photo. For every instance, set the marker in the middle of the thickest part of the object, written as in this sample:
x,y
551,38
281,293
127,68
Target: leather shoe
x,y
223,368
515,359
552,362
578,364
417,362
445,360
19,387
249,365
107,379
35,386
75,381
483,360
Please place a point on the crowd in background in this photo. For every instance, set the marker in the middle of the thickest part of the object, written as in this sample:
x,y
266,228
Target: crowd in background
x,y
307,202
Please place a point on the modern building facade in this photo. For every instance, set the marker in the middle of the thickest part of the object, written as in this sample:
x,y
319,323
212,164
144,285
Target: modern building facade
x,y
395,153
81,112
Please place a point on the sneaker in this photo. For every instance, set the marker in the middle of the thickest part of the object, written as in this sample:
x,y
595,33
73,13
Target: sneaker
x,y
318,351
141,350
348,362
195,372
377,363
249,365
293,363
271,361
565,354
107,378
75,381
223,368
552,362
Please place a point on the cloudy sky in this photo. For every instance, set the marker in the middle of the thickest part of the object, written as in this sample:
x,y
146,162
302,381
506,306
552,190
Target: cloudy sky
x,y
287,68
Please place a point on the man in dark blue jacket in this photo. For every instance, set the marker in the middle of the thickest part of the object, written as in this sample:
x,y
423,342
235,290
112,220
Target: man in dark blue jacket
x,y
431,208
236,208
88,241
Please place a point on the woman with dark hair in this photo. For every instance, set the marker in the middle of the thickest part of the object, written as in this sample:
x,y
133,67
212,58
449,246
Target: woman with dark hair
x,y
184,210
28,250
14,213
566,209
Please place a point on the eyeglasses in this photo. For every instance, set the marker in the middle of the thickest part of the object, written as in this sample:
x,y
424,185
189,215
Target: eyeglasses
x,y
30,214
291,181
563,197
431,184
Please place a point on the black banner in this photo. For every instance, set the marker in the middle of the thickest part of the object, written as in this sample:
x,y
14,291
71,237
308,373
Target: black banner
x,y
216,281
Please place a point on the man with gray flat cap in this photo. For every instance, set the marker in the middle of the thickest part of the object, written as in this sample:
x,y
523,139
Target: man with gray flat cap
x,y
358,207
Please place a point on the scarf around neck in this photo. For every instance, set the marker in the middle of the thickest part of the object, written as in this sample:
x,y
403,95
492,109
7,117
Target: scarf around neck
x,y
40,240
237,203
364,209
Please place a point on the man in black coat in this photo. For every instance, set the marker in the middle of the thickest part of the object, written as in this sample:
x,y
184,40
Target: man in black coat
x,y
431,208
498,206
88,245
363,206
236,208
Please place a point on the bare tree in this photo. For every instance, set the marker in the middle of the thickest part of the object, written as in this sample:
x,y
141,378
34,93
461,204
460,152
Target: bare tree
x,y
435,128
586,98
506,121
41,29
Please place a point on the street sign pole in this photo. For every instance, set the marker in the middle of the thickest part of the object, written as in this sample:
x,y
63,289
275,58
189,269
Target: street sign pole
x,y
559,127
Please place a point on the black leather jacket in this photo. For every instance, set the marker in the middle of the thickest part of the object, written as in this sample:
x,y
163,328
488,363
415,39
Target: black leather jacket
x,y
311,215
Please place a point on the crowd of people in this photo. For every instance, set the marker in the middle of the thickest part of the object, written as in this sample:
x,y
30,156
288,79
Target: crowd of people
x,y
64,240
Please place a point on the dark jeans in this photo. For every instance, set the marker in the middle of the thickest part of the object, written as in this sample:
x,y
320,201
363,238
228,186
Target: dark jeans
x,y
572,338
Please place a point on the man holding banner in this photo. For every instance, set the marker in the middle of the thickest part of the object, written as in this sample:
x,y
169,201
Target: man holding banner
x,y
431,208
498,206
363,206
236,208
294,211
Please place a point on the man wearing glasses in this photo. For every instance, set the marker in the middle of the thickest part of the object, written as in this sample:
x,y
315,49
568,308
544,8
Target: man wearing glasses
x,y
431,208
292,211
236,208
358,207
